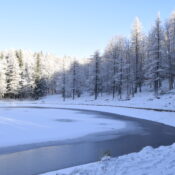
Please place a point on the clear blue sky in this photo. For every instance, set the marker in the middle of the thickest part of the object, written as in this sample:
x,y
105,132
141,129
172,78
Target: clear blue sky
x,y
73,27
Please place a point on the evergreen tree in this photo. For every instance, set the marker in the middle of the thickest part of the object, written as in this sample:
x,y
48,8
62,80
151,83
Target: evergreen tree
x,y
13,76
155,49
137,49
3,70
40,89
96,73
170,49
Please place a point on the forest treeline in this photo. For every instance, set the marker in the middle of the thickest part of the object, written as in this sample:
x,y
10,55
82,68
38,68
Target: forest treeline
x,y
126,66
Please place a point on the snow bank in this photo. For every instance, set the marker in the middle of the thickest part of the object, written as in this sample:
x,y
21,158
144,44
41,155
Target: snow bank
x,y
144,100
148,161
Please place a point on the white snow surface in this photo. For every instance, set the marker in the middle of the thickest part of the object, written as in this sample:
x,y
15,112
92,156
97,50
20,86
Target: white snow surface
x,y
145,99
23,126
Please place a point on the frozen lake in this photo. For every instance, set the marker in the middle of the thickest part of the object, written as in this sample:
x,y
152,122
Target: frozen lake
x,y
60,138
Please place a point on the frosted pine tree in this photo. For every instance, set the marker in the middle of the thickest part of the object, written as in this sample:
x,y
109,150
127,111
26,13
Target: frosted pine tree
x,y
75,79
95,74
155,55
13,75
111,54
137,53
40,82
22,71
170,49
3,69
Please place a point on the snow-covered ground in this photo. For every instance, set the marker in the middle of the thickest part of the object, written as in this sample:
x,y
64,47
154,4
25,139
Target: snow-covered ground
x,y
22,126
144,100
148,161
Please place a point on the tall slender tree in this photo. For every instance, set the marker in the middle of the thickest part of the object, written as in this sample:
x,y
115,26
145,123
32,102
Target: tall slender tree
x,y
170,49
156,55
137,49
96,71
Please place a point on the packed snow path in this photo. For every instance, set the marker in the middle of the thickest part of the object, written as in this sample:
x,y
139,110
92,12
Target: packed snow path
x,y
113,135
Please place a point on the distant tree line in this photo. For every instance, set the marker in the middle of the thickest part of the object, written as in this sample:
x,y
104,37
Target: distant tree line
x,y
127,66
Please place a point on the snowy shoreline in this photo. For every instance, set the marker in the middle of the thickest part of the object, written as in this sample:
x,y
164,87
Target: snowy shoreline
x,y
149,161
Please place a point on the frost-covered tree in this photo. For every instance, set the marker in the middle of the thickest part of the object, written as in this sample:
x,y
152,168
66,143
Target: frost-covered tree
x,y
111,55
75,79
63,80
40,89
22,73
137,53
170,49
116,63
3,69
13,75
95,77
155,54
